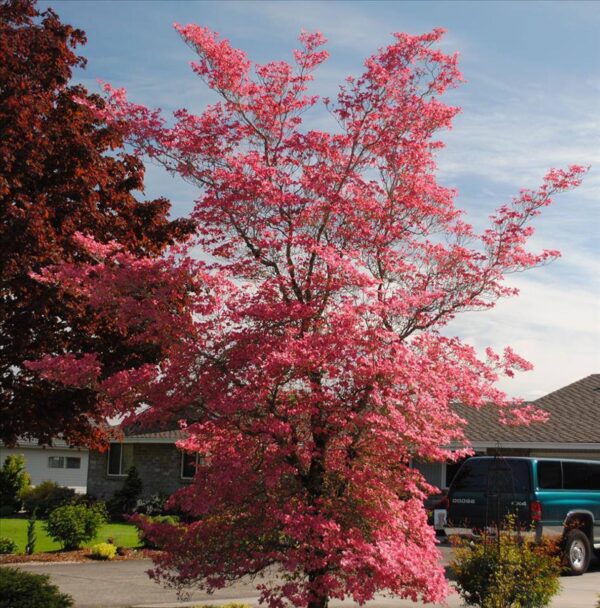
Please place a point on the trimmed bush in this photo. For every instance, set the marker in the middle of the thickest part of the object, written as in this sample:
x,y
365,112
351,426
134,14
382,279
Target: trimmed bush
x,y
19,589
6,511
14,479
73,525
46,497
506,571
103,551
7,546
124,500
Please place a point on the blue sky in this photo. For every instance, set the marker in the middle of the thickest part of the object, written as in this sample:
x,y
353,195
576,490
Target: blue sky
x,y
531,101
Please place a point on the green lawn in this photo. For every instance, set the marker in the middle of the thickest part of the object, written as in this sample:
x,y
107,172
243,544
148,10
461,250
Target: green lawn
x,y
124,535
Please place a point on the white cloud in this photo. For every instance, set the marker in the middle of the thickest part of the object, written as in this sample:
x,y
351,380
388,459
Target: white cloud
x,y
504,143
347,25
555,328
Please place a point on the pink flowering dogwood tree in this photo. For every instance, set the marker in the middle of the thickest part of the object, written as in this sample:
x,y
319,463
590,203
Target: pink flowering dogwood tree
x,y
306,353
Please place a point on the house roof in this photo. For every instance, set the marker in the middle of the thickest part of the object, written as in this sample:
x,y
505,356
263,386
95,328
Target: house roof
x,y
574,418
173,434
135,435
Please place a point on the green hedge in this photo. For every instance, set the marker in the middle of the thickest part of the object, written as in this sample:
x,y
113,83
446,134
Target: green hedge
x,y
20,589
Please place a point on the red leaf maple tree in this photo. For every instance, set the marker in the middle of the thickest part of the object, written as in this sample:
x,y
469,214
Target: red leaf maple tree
x,y
305,354
60,171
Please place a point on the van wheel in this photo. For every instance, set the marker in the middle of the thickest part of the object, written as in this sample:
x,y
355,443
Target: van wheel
x,y
577,552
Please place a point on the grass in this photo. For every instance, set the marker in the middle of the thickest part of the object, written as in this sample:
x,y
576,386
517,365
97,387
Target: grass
x,y
124,535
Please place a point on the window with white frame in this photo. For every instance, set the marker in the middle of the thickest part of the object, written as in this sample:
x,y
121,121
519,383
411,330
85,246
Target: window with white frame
x,y
64,462
189,463
120,458
56,462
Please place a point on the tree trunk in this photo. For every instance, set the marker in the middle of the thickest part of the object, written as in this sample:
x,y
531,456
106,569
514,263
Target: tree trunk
x,y
321,602
317,601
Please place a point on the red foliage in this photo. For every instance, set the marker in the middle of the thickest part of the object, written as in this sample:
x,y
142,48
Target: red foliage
x,y
60,172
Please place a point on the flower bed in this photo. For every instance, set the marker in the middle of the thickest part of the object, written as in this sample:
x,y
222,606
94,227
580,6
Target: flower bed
x,y
81,555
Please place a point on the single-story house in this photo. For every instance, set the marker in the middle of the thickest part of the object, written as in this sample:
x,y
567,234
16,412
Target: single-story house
x,y
573,431
65,465
162,467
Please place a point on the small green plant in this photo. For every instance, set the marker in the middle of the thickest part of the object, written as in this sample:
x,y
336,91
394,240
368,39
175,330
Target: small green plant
x,y
73,525
19,589
31,534
151,505
103,551
7,546
46,497
506,571
14,479
124,500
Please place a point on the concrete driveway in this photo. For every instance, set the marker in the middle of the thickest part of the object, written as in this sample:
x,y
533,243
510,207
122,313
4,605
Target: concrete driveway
x,y
125,584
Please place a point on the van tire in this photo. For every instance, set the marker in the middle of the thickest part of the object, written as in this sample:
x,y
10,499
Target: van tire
x,y
577,552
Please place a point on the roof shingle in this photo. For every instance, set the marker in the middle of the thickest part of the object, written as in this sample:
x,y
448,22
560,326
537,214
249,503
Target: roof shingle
x,y
574,418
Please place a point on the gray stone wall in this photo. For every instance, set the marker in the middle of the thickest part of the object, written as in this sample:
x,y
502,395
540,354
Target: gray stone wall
x,y
158,464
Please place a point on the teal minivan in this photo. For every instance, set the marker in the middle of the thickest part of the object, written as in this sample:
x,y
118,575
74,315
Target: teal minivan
x,y
551,497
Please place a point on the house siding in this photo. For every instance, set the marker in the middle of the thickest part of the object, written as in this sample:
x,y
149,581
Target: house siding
x,y
36,464
158,465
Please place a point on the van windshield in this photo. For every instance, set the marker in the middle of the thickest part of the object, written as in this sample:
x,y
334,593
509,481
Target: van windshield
x,y
503,475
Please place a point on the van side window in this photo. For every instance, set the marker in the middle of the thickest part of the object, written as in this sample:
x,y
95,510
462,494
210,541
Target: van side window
x,y
472,477
509,476
549,475
581,476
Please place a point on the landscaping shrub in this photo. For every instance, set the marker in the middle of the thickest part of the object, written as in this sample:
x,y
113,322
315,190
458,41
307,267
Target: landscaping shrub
x,y
31,534
124,500
46,497
157,519
103,551
7,546
20,589
151,505
506,571
72,525
14,479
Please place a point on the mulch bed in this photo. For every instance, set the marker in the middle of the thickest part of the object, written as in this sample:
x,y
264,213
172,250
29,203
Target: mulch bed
x,y
81,555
